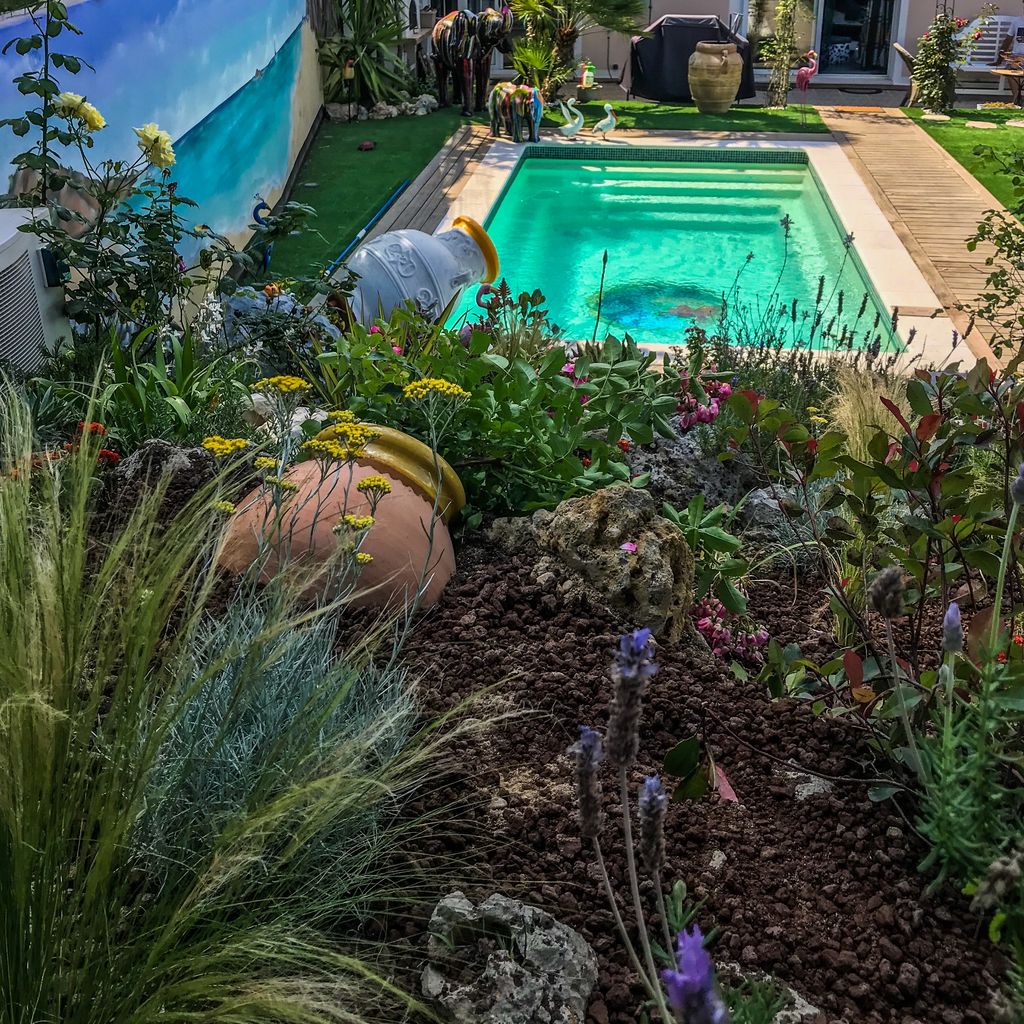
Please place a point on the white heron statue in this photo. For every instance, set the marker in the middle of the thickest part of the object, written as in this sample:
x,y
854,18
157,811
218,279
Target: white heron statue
x,y
608,122
573,119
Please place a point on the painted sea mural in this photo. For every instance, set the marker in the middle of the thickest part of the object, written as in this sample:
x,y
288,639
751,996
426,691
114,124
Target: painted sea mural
x,y
234,82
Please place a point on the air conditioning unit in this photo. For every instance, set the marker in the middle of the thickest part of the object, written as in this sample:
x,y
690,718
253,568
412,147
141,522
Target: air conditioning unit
x,y
32,320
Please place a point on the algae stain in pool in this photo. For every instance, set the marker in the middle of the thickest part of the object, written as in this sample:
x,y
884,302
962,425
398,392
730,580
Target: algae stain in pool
x,y
677,235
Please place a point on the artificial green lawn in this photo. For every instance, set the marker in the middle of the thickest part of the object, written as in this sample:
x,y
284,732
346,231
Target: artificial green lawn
x,y
960,141
347,187
351,185
666,118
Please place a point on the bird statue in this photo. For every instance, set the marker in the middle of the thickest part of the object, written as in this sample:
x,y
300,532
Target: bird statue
x,y
573,119
608,122
803,81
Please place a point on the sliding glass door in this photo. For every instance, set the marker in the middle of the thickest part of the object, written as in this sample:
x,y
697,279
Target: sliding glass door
x,y
855,36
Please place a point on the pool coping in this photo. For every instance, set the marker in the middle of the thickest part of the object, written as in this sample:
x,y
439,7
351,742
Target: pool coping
x,y
895,277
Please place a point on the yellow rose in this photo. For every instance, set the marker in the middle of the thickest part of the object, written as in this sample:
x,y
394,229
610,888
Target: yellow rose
x,y
156,146
91,117
71,105
67,103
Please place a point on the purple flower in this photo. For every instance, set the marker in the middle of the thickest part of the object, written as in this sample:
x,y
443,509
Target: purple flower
x,y
589,754
952,630
628,547
632,667
651,810
1017,487
692,992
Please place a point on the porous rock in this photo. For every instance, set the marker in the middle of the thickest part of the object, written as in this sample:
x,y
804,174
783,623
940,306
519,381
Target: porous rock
x,y
505,962
581,544
181,472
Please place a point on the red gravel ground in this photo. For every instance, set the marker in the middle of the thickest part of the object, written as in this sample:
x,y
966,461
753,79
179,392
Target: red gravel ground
x,y
823,893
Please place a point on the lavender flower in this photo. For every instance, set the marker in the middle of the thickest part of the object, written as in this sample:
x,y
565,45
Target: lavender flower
x,y
651,808
1017,487
632,667
589,754
952,630
692,992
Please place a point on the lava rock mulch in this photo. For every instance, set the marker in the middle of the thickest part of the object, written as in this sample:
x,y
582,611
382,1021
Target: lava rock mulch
x,y
811,883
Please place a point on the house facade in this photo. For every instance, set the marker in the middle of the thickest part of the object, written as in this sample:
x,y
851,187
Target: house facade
x,y
852,37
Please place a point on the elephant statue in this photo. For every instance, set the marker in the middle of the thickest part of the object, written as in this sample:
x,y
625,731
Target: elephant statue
x,y
515,108
462,45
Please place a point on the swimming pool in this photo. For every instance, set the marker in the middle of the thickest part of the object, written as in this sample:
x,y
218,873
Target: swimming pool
x,y
684,230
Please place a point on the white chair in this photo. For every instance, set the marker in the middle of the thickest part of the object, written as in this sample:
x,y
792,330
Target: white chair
x,y
985,53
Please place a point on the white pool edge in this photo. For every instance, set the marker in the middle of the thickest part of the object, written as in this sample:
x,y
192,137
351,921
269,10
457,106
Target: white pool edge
x,y
895,276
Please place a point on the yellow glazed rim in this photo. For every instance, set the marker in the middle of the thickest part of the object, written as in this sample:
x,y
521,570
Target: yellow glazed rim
x,y
491,262
413,461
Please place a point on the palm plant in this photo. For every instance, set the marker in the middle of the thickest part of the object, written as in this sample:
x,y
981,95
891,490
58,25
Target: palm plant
x,y
535,62
371,30
116,689
560,23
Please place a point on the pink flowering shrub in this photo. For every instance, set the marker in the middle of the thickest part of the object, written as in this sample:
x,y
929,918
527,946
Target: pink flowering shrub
x,y
718,626
701,398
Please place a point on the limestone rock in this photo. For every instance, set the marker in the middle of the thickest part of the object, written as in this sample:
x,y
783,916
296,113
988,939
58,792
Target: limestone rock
x,y
381,111
582,544
342,112
505,962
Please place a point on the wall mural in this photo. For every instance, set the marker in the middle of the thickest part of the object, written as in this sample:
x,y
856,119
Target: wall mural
x,y
235,83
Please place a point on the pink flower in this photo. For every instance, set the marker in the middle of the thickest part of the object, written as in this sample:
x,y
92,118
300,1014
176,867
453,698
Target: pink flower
x,y
397,349
629,547
569,369
375,330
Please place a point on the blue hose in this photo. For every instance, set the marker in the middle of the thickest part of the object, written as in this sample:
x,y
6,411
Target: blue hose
x,y
369,224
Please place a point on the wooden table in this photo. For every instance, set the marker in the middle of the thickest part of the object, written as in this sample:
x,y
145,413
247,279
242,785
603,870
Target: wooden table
x,y
1015,78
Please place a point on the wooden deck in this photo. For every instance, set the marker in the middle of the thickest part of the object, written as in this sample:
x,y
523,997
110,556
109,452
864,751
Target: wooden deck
x,y
424,205
932,202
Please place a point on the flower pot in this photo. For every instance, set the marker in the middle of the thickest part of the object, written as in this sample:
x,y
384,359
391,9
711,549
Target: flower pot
x,y
714,75
399,540
429,270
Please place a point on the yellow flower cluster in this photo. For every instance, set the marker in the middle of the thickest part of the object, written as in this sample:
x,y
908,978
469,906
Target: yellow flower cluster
x,y
378,484
355,435
362,558
283,385
358,522
71,105
223,506
264,462
221,446
341,416
156,146
280,483
819,419
331,450
434,386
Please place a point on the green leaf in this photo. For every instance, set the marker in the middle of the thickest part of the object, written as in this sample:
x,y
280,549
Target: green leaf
x,y
879,793
693,788
917,396
682,760
733,600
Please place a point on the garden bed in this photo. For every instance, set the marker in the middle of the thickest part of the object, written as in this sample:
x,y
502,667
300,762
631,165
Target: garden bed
x,y
807,880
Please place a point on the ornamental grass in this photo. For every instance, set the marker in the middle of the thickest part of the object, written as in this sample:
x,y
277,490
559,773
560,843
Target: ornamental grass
x,y
195,809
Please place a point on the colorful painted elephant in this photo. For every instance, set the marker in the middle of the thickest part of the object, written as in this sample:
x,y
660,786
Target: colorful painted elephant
x,y
515,108
463,43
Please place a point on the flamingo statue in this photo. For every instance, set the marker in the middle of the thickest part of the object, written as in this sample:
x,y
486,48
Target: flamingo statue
x,y
803,81
573,119
607,123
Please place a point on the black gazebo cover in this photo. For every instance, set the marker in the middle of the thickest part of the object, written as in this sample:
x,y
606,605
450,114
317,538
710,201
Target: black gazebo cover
x,y
659,60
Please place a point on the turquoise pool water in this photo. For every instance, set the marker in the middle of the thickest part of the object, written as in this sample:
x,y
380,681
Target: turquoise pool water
x,y
679,236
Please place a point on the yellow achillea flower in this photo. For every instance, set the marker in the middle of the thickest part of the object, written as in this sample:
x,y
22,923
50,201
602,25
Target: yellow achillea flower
x,y
341,416
221,446
280,483
355,435
156,146
331,450
434,386
378,484
813,408
819,419
223,506
362,558
358,522
265,462
282,384
71,105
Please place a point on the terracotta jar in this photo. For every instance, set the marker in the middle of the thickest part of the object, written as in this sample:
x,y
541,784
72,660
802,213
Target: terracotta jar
x,y
398,541
714,76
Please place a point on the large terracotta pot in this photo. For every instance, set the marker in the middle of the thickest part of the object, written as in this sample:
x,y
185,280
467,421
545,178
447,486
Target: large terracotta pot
x,y
398,539
714,76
